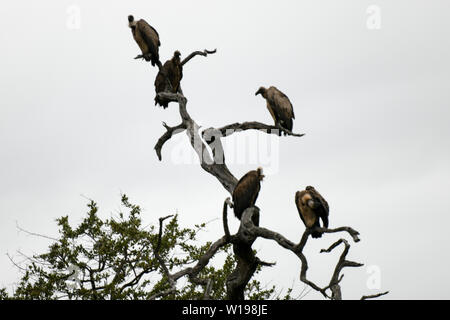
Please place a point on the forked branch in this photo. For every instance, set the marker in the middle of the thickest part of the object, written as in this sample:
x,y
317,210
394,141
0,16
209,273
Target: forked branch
x,y
373,296
297,249
166,136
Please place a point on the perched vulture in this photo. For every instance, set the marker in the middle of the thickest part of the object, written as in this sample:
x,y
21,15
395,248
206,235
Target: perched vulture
x,y
171,73
246,192
312,206
279,106
147,39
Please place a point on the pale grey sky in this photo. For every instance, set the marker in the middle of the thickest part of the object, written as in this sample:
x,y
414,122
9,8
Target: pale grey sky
x,y
77,117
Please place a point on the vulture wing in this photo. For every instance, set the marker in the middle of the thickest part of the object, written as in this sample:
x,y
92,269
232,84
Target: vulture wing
x,y
272,113
175,74
307,213
156,32
161,84
149,33
151,38
298,197
322,209
283,104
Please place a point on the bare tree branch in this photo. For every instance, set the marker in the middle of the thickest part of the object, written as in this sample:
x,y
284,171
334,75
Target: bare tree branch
x,y
253,125
15,264
186,60
342,263
225,219
160,260
247,262
374,295
297,249
266,264
353,233
166,136
196,53
203,261
34,234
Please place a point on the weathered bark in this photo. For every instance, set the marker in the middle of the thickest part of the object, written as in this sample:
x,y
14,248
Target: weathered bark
x,y
246,263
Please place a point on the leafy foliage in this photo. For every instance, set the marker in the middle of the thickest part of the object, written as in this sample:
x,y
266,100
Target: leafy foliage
x,y
114,259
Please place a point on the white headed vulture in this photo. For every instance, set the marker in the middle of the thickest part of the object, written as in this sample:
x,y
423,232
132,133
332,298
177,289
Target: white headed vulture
x,y
147,39
312,207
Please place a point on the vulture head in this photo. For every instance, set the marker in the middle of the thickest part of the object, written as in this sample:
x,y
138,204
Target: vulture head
x,y
307,199
176,56
131,22
261,91
260,173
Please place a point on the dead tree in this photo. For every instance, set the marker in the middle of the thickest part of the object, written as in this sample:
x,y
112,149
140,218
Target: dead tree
x,y
247,262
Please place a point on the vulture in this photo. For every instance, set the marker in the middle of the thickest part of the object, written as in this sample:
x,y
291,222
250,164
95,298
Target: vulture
x,y
147,39
246,192
279,106
168,78
312,207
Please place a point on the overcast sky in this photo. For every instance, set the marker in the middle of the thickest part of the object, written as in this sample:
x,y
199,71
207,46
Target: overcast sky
x,y
77,118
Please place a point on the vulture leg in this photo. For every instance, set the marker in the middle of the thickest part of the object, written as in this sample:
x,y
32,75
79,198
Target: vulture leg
x,y
278,124
325,221
255,218
315,233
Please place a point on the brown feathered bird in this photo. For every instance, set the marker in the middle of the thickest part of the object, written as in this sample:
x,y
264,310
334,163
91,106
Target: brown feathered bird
x,y
279,106
147,39
246,192
312,207
169,78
